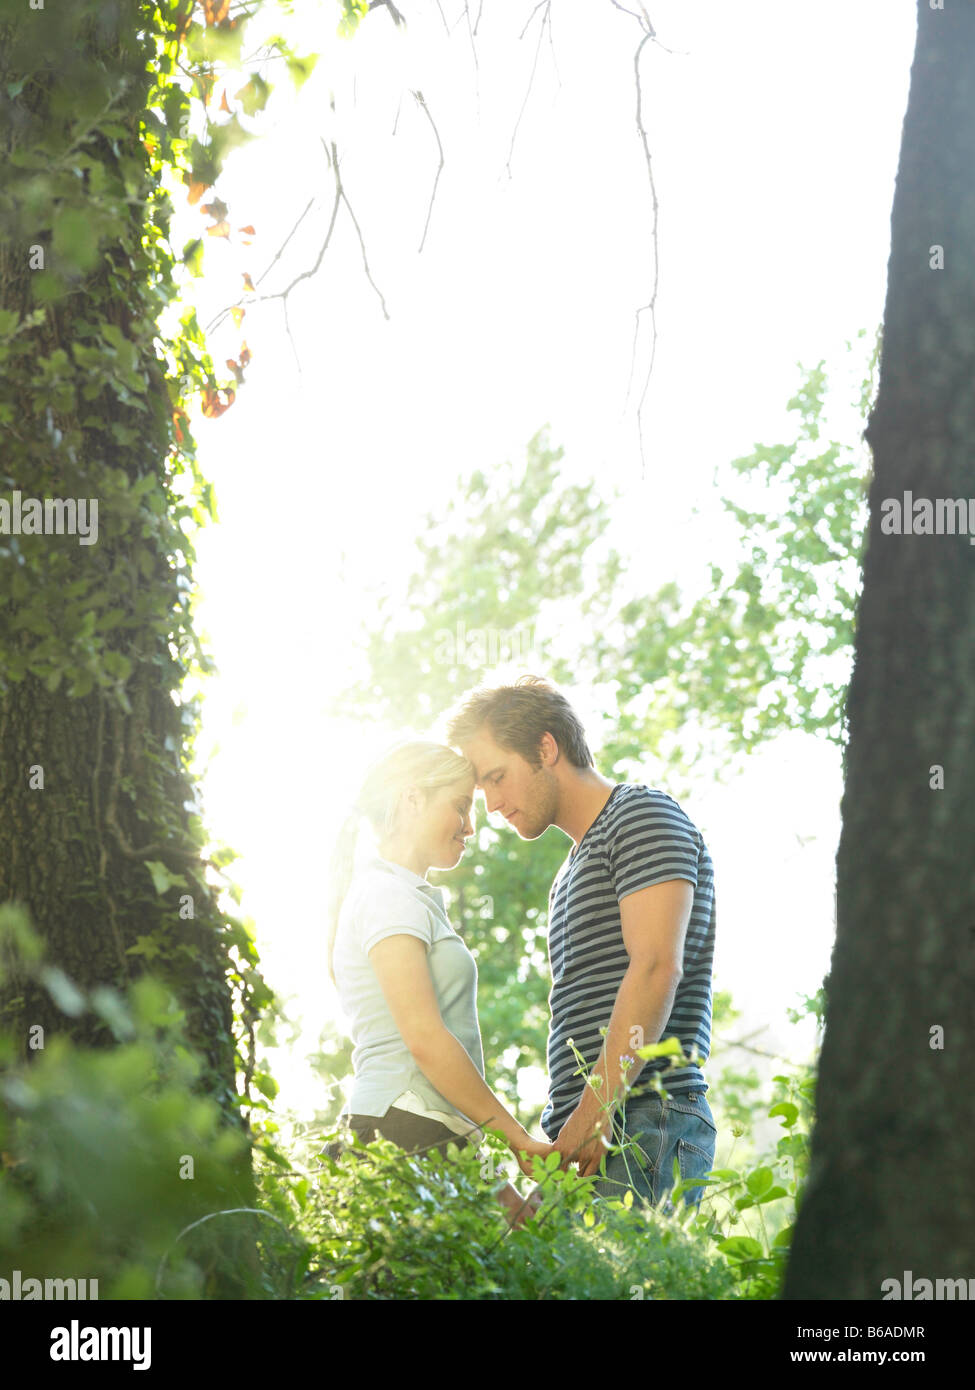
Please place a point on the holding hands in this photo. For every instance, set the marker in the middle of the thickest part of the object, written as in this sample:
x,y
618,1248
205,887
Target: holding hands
x,y
525,1147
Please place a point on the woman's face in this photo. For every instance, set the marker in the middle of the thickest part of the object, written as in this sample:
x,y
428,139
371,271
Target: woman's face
x,y
444,823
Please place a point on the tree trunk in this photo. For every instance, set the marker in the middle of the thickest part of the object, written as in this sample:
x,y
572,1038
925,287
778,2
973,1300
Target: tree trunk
x,y
88,678
889,1189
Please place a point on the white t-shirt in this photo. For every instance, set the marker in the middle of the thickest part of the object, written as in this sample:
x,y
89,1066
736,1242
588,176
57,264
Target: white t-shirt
x,y
386,899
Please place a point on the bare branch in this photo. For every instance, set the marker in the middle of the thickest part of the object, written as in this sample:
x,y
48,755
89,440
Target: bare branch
x,y
651,306
355,224
215,322
551,44
307,274
426,109
756,1051
331,155
547,5
477,66
532,16
397,17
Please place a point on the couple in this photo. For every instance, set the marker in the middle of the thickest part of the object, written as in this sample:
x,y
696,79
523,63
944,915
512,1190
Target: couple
x,y
631,940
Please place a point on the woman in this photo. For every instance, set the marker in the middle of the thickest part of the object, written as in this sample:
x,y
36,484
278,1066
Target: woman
x,y
405,978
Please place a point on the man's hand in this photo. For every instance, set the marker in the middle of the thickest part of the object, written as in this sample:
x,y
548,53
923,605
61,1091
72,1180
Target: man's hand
x,y
585,1138
525,1147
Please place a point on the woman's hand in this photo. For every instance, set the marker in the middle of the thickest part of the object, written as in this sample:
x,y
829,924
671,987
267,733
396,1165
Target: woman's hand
x,y
519,1209
524,1147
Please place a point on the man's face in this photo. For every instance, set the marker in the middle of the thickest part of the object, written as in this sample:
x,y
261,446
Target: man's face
x,y
527,797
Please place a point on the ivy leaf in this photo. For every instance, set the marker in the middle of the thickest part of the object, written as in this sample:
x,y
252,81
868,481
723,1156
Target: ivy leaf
x,y
193,255
213,406
254,94
162,879
301,69
74,240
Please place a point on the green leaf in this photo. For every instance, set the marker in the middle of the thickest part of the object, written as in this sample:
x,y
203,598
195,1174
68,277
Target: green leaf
x,y
788,1111
162,879
301,69
111,1007
64,993
192,256
771,1195
668,1048
741,1248
254,95
266,1084
760,1181
74,241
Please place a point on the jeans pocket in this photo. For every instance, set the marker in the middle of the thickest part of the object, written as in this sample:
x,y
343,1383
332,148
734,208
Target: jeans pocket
x,y
643,1132
694,1104
693,1163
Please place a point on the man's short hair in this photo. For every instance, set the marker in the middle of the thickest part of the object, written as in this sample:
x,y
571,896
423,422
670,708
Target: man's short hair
x,y
517,717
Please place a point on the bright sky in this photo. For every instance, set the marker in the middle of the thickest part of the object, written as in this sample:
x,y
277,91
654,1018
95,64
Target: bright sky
x,y
774,131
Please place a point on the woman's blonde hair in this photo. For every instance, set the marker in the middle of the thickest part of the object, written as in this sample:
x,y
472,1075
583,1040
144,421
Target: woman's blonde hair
x,y
416,763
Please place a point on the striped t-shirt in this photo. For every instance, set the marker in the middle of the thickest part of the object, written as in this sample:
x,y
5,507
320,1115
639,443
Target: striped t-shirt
x,y
640,837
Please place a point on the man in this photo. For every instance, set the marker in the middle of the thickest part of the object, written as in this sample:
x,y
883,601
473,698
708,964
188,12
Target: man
x,y
631,940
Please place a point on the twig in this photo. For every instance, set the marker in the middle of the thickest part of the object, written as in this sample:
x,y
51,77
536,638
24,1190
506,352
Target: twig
x,y
355,224
758,1051
397,17
477,68
426,110
651,306
541,31
215,322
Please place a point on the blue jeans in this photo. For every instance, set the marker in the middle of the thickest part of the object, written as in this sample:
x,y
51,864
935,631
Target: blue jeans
x,y
680,1127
